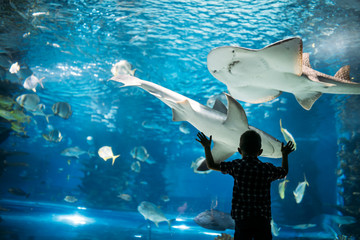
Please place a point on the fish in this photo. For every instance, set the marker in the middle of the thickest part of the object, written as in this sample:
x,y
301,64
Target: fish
x,y
106,153
341,220
125,197
196,166
282,186
153,213
184,129
261,75
300,190
15,115
32,81
215,220
274,228
6,103
28,101
140,153
136,166
18,192
303,226
39,111
62,109
287,135
53,136
17,127
72,152
225,129
165,198
122,67
70,199
15,67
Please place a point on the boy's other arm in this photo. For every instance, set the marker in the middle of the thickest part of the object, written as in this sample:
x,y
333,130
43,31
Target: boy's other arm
x,y
206,143
286,150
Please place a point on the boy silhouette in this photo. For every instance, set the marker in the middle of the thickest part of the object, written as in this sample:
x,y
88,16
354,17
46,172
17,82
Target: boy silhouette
x,y
251,203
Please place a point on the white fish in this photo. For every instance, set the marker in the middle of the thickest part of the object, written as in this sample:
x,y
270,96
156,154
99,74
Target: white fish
x,y
300,190
274,228
15,67
28,101
282,186
153,213
72,152
287,135
225,128
257,76
122,67
62,109
199,168
106,153
31,82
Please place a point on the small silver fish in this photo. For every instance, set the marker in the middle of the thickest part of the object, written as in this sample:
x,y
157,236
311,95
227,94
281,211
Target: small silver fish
x,y
72,152
31,82
62,109
15,67
140,153
53,136
287,135
152,212
300,190
28,101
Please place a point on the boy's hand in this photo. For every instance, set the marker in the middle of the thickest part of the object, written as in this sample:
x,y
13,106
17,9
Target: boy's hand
x,y
289,148
203,140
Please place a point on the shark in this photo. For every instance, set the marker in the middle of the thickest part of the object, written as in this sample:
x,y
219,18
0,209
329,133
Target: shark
x,y
261,75
224,124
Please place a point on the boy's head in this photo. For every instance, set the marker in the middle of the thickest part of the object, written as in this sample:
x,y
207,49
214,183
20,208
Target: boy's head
x,y
250,143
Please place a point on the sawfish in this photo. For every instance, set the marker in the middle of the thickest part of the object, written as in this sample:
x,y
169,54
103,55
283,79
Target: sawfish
x,y
225,124
257,76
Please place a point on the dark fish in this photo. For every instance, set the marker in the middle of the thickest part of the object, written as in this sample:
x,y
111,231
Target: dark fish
x,y
215,220
18,192
62,109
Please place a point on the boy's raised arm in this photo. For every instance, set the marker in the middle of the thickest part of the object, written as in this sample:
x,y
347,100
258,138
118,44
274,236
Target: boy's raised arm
x,y
206,143
286,150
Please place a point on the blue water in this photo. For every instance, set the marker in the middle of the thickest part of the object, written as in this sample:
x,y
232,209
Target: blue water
x,y
73,45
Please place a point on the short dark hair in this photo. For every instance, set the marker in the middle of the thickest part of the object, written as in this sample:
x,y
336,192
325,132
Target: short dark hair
x,y
250,142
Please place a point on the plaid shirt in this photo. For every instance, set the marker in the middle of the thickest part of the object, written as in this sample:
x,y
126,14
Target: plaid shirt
x,y
251,192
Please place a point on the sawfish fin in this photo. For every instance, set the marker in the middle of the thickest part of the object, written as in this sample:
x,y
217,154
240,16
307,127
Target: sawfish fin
x,y
343,73
184,106
307,99
235,114
221,151
258,94
219,106
285,55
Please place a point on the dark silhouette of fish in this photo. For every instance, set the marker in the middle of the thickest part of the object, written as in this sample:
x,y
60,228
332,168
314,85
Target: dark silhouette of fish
x,y
18,192
215,220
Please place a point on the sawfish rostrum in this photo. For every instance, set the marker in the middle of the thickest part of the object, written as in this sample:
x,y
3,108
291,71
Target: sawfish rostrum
x,y
257,76
225,125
